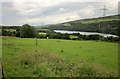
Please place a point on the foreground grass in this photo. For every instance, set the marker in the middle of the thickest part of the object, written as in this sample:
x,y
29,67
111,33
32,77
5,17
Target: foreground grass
x,y
59,58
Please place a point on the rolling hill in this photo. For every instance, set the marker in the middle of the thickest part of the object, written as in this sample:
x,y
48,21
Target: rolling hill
x,y
108,25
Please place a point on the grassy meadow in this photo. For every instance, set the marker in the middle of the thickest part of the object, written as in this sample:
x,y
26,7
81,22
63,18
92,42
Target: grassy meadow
x,y
58,58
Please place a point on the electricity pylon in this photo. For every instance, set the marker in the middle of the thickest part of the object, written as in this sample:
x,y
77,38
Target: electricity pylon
x,y
104,10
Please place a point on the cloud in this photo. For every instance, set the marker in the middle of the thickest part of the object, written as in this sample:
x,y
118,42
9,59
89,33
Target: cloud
x,y
89,10
112,6
52,11
60,0
51,19
0,13
61,9
30,8
26,8
40,6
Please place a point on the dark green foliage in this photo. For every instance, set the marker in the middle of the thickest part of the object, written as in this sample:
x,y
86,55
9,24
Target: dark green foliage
x,y
41,36
17,34
7,33
98,37
53,35
58,36
30,32
0,31
10,27
27,31
11,31
112,39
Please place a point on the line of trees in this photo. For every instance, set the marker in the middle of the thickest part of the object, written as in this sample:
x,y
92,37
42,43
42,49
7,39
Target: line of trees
x,y
27,31
58,36
53,35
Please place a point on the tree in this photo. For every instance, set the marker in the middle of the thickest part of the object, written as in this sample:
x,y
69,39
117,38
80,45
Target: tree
x,y
27,31
17,34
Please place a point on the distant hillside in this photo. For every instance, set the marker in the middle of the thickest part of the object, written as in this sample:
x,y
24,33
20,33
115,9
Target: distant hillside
x,y
108,24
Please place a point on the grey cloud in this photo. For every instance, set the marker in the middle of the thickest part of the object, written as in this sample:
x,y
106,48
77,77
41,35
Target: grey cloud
x,y
11,16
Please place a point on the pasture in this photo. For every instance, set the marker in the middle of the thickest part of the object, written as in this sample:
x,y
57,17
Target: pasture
x,y
58,58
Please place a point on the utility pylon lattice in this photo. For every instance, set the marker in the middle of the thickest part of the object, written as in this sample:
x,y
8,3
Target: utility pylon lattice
x,y
104,10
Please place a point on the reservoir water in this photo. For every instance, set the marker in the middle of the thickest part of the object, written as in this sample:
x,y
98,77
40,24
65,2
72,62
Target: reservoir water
x,y
85,33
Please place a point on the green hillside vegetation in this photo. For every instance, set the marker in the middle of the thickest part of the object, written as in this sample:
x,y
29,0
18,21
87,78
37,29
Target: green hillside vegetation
x,y
108,24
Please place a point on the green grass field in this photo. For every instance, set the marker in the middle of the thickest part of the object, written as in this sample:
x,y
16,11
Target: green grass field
x,y
59,58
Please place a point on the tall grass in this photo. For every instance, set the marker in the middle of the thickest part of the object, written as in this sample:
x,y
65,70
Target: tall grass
x,y
49,65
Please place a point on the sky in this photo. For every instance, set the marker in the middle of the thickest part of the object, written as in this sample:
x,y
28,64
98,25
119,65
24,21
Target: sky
x,y
43,12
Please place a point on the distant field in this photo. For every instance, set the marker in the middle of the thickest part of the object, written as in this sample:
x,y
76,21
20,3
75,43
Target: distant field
x,y
58,58
73,36
41,33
